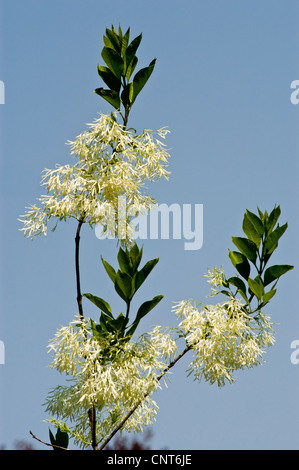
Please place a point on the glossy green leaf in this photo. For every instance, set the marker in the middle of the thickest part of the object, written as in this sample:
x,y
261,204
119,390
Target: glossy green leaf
x,y
131,59
118,324
109,269
271,241
61,439
124,261
123,285
114,61
141,78
109,78
135,255
130,67
143,310
247,247
237,282
127,95
273,218
109,95
124,43
144,272
274,272
268,295
256,287
240,262
113,39
253,227
100,303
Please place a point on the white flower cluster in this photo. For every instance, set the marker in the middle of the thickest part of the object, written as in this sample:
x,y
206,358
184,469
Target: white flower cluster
x,y
216,279
111,163
224,338
112,379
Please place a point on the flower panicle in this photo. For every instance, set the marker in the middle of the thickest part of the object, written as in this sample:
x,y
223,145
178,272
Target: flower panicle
x,y
113,386
223,337
111,162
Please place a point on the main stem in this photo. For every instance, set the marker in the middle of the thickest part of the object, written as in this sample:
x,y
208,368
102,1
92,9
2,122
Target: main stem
x,y
77,245
122,423
92,411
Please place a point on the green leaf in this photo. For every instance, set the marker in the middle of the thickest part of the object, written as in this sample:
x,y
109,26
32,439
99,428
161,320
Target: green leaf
x,y
135,256
253,227
123,285
127,95
240,262
141,78
226,292
114,61
109,95
272,219
100,303
144,272
143,310
274,272
120,323
268,295
124,43
247,247
113,40
131,59
256,287
124,261
61,439
109,269
97,330
109,78
271,241
131,67
115,325
237,282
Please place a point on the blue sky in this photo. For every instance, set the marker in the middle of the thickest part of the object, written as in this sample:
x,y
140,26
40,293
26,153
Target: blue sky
x,y
222,86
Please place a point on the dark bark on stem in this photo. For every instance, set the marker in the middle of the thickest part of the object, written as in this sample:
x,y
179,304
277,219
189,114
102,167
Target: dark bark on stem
x,y
92,422
79,295
91,411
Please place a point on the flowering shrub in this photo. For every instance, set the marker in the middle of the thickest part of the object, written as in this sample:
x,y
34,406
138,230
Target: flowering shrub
x,y
111,371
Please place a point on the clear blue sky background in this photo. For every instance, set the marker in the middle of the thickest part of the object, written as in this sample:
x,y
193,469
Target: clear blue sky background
x,y
222,86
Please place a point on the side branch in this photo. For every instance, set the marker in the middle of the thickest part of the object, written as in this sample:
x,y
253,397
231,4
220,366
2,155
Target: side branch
x,y
121,424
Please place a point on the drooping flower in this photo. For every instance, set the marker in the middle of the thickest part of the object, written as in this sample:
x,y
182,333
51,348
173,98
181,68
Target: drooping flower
x,y
216,277
113,382
224,338
111,163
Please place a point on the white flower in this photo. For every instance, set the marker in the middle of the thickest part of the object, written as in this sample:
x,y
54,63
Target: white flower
x,y
216,277
224,338
113,379
111,163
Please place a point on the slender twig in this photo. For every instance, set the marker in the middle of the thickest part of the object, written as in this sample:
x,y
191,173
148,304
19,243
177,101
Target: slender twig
x,y
121,424
46,443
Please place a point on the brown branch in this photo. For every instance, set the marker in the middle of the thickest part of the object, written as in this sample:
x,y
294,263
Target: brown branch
x,y
46,443
121,424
